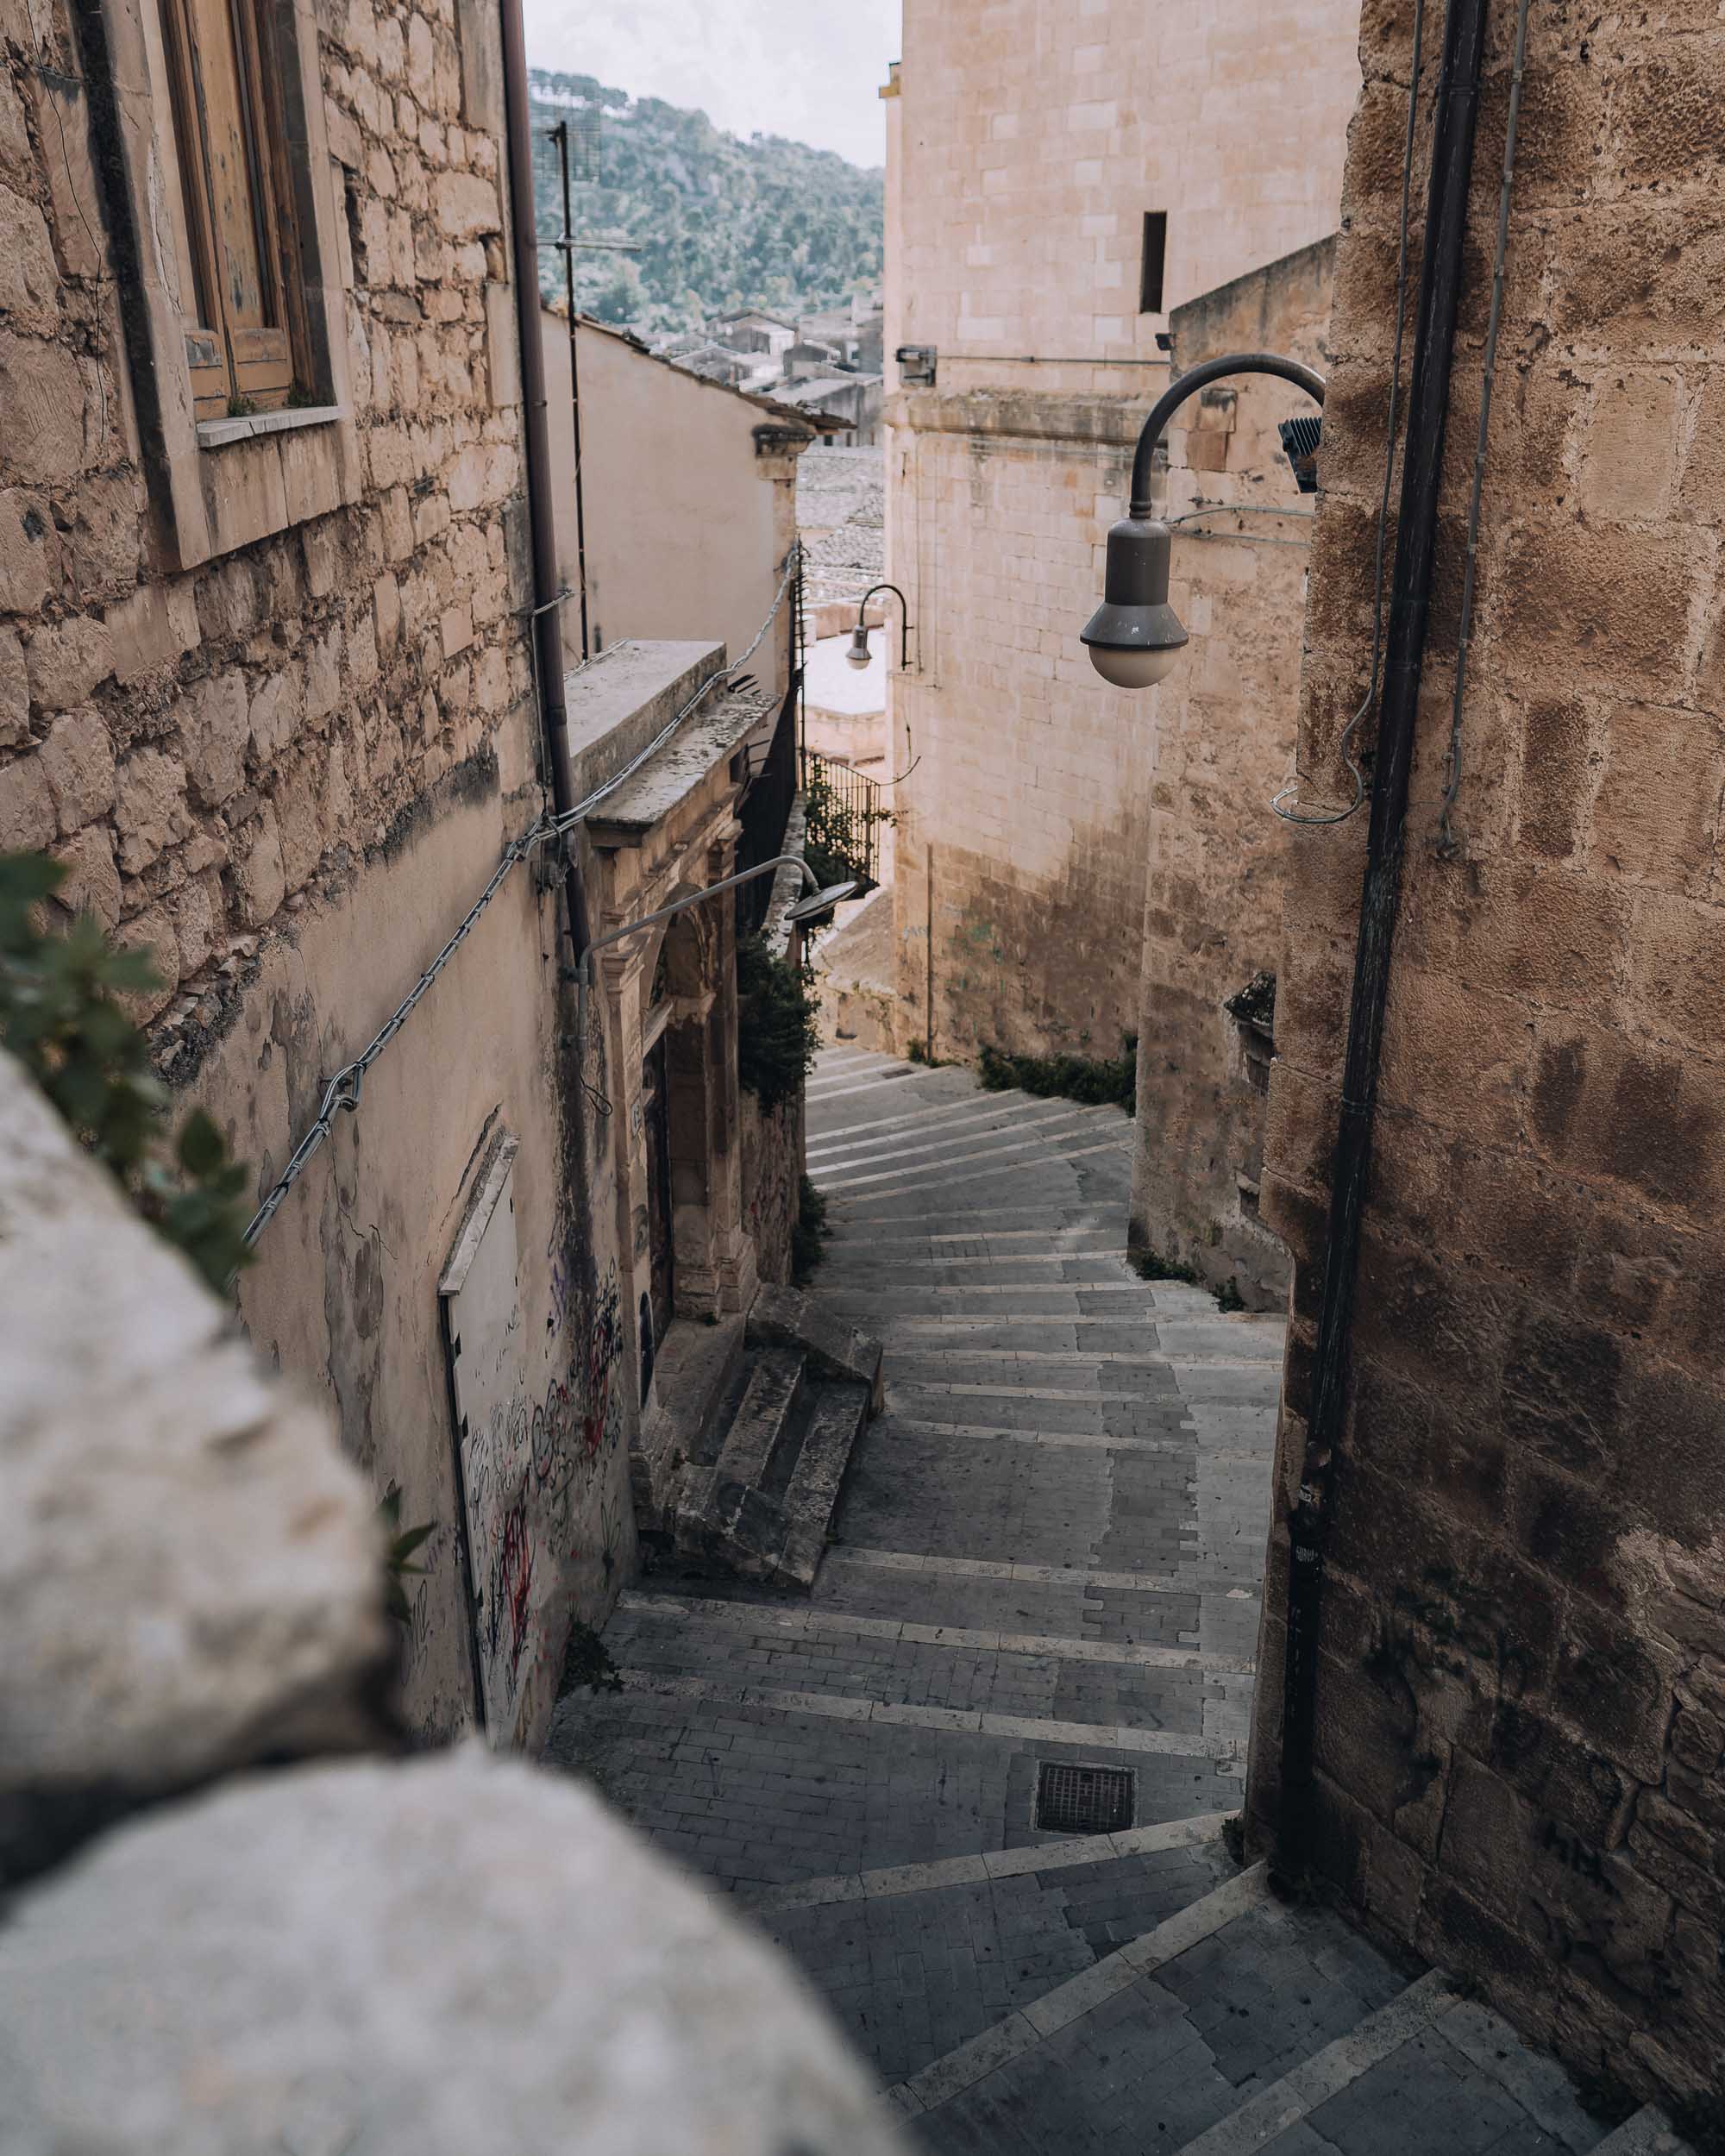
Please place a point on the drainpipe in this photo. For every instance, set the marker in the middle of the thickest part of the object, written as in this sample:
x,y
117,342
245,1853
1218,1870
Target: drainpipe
x,y
548,634
1454,116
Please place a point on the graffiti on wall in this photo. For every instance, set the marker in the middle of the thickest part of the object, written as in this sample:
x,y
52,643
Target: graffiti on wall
x,y
535,1356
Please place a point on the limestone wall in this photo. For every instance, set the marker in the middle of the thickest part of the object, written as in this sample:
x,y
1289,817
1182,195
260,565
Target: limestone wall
x,y
1033,140
668,460
1223,748
1522,1692
264,688
772,1182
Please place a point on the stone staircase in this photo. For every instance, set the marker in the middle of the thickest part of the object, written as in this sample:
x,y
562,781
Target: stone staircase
x,y
1044,1564
1244,2024
770,1410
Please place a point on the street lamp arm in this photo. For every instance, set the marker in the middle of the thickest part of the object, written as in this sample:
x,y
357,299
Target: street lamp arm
x,y
1201,377
811,906
584,969
862,628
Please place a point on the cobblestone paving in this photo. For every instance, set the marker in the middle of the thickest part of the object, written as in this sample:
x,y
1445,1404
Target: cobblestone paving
x,y
1048,1552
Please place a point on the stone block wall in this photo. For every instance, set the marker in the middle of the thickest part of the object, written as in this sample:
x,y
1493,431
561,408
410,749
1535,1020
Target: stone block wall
x,y
268,694
1222,739
772,1141
1032,140
1520,1743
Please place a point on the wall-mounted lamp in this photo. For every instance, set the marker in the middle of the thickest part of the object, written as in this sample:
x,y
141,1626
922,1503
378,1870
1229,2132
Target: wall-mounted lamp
x,y
858,654
1134,637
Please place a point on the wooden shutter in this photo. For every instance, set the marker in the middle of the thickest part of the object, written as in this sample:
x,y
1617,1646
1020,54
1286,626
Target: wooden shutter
x,y
236,330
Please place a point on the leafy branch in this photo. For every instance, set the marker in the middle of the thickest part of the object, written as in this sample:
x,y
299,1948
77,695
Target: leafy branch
x,y
400,1545
61,1016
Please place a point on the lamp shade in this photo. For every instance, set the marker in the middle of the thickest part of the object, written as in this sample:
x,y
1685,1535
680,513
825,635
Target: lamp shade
x,y
858,654
818,903
1134,635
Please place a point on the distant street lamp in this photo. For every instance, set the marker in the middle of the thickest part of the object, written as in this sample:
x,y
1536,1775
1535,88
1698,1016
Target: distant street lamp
x,y
858,654
1134,637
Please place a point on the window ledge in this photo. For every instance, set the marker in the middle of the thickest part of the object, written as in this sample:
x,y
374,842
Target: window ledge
x,y
215,434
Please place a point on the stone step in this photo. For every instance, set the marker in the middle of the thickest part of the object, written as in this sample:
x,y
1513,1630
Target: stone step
x,y
841,1409
1649,2132
1122,1690
756,1787
1240,2025
763,1508
969,1939
761,1444
692,1373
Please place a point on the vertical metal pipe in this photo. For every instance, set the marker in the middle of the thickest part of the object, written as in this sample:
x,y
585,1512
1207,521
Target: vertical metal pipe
x,y
1453,122
548,639
561,132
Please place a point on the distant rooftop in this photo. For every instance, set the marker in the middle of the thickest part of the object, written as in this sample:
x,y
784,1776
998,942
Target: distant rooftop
x,y
841,518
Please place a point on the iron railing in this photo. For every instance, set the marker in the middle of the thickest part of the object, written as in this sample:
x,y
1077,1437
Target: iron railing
x,y
845,814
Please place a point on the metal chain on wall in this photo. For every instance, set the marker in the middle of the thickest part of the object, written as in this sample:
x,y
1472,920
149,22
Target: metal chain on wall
x,y
342,1091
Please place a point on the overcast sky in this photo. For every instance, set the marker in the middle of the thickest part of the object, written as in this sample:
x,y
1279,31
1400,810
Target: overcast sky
x,y
807,69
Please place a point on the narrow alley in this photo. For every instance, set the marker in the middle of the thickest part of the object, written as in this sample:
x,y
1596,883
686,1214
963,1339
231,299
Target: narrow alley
x,y
1042,1593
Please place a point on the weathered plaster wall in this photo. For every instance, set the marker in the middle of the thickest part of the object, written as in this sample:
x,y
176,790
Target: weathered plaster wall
x,y
1222,748
346,1286
1031,138
288,772
1521,1691
669,462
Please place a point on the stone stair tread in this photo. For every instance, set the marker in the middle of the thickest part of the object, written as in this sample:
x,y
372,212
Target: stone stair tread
x,y
1649,2132
763,1422
840,1411
695,1370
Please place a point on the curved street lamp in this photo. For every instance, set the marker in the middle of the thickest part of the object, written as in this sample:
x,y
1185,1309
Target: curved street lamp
x,y
1135,635
858,654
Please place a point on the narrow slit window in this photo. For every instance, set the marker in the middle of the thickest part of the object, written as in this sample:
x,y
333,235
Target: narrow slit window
x,y
1150,271
234,238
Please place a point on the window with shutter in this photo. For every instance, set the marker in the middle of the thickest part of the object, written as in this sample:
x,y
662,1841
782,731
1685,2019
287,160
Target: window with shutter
x,y
234,258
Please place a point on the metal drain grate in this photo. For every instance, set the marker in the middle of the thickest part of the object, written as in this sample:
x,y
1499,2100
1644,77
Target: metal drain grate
x,y
1083,1800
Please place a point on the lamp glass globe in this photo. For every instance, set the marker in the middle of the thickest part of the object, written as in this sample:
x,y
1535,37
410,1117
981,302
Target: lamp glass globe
x,y
1133,669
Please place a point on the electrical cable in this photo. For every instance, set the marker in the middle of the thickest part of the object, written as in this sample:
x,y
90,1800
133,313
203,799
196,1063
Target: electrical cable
x,y
1447,845
1344,747
342,1091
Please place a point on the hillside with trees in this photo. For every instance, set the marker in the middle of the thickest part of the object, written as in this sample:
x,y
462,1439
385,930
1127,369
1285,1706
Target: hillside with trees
x,y
722,222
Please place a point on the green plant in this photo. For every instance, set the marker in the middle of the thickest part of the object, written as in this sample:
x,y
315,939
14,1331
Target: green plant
x,y
917,1052
61,1016
808,1237
778,1023
1148,1265
1255,1003
725,222
838,839
1234,1836
1228,1295
1089,1079
400,1545
240,407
